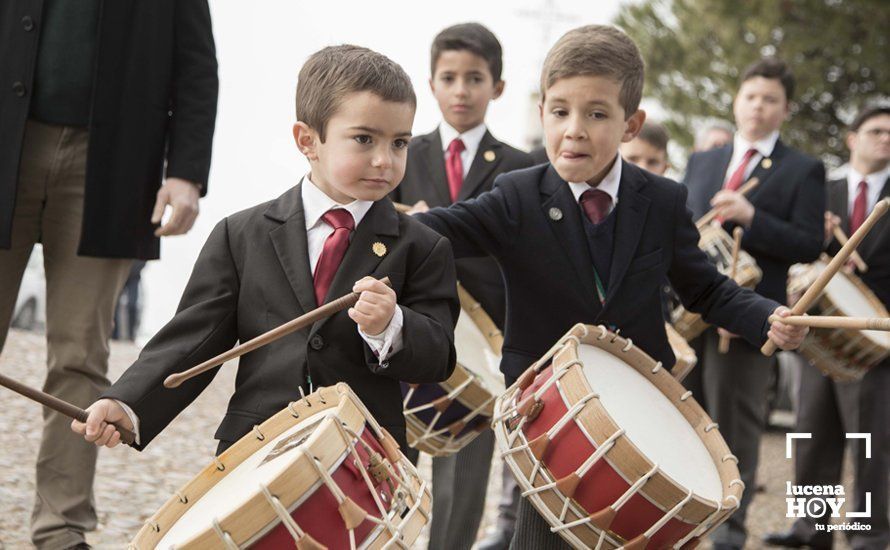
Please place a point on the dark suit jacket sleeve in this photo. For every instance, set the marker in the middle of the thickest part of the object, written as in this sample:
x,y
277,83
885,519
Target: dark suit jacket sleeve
x,y
194,94
204,326
430,309
798,239
703,290
483,226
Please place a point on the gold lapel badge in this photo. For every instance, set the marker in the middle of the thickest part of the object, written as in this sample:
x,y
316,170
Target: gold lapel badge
x,y
488,156
766,163
379,249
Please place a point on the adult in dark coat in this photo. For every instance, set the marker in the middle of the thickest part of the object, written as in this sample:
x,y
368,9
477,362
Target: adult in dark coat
x,y
100,102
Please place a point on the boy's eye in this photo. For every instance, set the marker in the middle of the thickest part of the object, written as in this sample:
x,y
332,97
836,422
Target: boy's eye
x,y
364,139
400,143
560,112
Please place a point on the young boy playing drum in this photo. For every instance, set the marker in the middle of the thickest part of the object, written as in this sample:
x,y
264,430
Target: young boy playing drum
x,y
590,238
329,235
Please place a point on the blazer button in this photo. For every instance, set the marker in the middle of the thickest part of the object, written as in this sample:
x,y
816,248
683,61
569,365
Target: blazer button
x,y
316,342
18,88
28,23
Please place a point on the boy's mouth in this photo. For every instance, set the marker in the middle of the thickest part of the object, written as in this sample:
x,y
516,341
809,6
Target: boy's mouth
x,y
571,155
460,108
376,181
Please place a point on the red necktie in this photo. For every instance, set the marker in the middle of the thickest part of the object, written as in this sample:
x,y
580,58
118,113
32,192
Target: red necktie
x,y
735,180
454,168
596,204
334,249
859,207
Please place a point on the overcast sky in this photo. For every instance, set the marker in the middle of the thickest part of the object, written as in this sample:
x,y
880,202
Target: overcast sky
x,y
260,48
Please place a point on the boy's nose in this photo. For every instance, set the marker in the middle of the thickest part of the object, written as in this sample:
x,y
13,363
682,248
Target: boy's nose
x,y
575,129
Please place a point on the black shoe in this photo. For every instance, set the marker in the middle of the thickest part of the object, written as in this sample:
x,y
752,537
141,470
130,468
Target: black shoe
x,y
80,546
499,540
790,539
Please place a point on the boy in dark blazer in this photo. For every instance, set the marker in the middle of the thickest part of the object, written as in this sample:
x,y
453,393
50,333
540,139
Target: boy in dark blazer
x,y
589,238
271,263
782,219
456,161
830,410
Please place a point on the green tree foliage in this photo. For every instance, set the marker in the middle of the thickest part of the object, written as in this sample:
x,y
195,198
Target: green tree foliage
x,y
695,51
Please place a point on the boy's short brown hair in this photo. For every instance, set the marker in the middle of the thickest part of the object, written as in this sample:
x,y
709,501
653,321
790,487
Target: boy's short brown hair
x,y
868,112
332,73
655,135
597,50
471,37
774,69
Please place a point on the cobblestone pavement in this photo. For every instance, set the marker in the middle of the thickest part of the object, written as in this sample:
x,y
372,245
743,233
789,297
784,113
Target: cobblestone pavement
x,y
131,485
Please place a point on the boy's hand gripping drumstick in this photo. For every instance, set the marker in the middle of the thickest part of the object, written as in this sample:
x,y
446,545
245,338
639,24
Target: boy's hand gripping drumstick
x,y
303,321
723,346
59,405
712,213
812,293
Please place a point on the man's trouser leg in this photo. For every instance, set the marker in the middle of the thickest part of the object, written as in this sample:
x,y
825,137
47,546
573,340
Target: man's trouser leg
x,y
81,294
736,385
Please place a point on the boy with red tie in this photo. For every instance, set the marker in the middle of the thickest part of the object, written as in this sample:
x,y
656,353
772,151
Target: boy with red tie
x,y
327,236
589,238
459,160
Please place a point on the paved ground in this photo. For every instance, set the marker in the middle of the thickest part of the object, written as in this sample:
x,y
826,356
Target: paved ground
x,y
132,485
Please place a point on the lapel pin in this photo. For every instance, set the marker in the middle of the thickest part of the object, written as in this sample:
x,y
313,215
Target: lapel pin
x,y
379,249
555,214
488,156
766,163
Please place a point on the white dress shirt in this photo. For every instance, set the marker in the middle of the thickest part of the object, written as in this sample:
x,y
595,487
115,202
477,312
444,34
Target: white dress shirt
x,y
876,181
471,139
315,204
740,146
609,184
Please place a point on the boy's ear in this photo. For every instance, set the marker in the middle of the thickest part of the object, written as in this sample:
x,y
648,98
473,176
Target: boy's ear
x,y
633,125
306,139
498,89
432,88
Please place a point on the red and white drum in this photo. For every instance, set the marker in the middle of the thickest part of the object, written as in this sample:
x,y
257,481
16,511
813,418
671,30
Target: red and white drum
x,y
319,474
612,450
442,418
841,353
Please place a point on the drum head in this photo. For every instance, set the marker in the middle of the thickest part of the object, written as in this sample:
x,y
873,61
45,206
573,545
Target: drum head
x,y
850,301
475,353
654,424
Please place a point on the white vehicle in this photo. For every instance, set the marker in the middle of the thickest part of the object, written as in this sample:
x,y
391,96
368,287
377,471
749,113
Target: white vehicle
x,y
30,306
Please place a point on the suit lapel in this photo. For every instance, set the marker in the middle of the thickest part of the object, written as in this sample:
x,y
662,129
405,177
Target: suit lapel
x,y
767,167
881,229
838,202
289,242
487,158
380,224
719,173
564,217
435,165
632,208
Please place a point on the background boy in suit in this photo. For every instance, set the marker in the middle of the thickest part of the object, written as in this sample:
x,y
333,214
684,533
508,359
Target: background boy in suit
x,y
829,410
649,150
589,238
268,264
783,222
456,161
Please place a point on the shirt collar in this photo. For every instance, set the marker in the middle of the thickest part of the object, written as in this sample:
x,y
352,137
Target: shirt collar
x,y
876,181
609,184
764,146
471,137
316,203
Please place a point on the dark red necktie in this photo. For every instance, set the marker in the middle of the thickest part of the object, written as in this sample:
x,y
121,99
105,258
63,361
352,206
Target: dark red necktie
x,y
735,180
859,207
454,167
596,204
334,249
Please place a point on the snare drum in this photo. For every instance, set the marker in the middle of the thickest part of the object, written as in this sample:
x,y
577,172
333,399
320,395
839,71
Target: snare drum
x,y
319,474
841,353
442,418
718,245
611,450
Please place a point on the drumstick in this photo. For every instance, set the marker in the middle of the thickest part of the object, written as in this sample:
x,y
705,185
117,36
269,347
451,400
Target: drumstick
x,y
744,190
60,406
855,323
401,207
303,321
723,346
812,293
857,259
